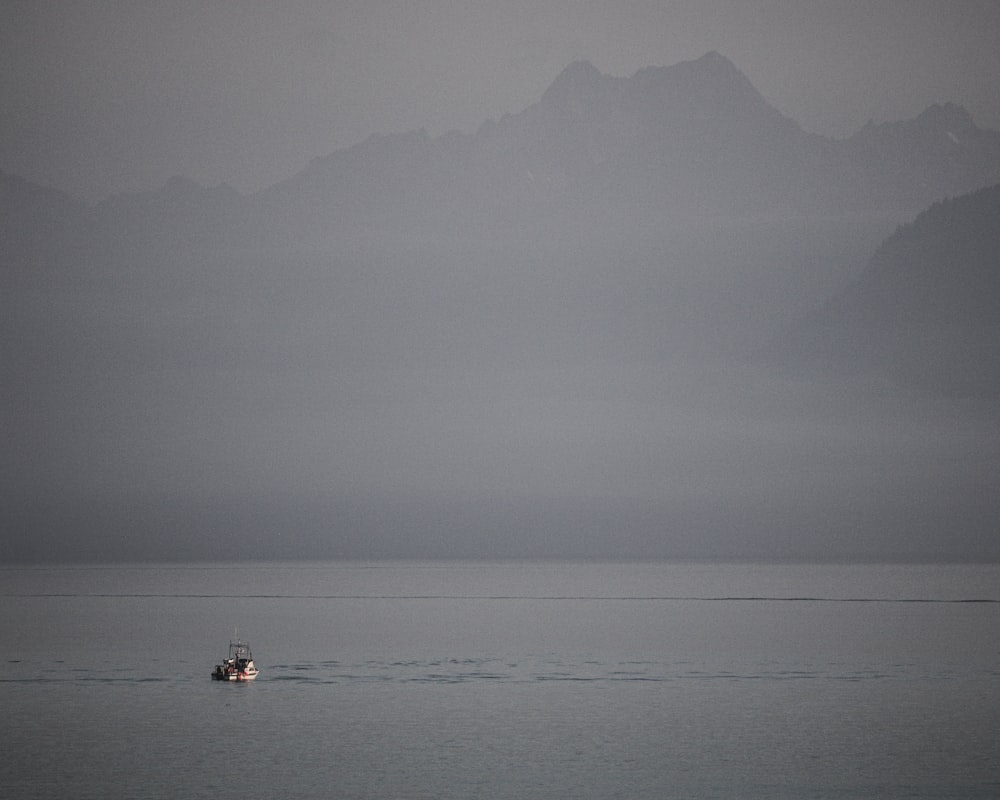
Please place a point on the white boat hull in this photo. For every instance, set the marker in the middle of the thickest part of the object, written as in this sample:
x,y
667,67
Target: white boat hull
x,y
247,675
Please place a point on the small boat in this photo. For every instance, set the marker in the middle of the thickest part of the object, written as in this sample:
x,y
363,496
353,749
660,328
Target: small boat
x,y
239,666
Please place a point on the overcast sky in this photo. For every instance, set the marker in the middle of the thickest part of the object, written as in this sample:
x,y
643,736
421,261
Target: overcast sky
x,y
101,96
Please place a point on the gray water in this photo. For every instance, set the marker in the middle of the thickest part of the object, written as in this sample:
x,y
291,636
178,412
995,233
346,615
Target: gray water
x,y
502,680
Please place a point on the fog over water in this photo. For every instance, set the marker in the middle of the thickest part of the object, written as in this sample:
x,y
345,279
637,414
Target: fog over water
x,y
548,335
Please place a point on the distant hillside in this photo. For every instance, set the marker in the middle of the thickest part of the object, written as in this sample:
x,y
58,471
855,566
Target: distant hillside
x,y
925,311
671,211
597,155
940,153
693,138
40,230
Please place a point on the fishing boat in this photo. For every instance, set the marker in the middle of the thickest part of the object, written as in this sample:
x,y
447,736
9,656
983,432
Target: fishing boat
x,y
239,666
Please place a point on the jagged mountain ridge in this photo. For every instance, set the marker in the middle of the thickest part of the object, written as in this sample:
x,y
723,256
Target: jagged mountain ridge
x,y
941,150
688,139
695,137
612,204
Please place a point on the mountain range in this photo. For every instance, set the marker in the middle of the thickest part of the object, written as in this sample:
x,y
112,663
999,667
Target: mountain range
x,y
724,221
629,316
694,138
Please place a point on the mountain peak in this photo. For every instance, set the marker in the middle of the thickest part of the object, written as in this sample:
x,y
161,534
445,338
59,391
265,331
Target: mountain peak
x,y
579,73
715,61
947,116
712,64
936,118
581,80
712,78
711,75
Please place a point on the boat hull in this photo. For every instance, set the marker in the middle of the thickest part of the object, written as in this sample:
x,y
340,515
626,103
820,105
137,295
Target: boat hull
x,y
235,676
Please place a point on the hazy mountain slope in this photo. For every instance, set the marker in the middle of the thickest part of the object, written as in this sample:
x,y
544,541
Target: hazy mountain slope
x,y
596,154
180,216
41,229
925,311
525,340
615,154
912,163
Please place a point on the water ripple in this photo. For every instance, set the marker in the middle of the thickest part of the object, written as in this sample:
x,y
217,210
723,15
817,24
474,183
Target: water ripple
x,y
455,670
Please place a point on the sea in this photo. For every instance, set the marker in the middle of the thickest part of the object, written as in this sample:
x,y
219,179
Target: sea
x,y
502,680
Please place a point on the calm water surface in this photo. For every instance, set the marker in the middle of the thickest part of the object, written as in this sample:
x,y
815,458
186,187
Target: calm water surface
x,y
523,680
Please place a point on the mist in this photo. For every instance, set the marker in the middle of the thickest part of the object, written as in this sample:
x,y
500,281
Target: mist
x,y
410,406
551,336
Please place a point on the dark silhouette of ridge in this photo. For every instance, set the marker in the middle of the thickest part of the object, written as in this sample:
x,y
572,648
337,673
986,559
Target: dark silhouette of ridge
x,y
940,153
580,83
692,138
924,311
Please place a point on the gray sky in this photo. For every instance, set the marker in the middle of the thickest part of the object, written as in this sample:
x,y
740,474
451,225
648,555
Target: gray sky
x,y
105,96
